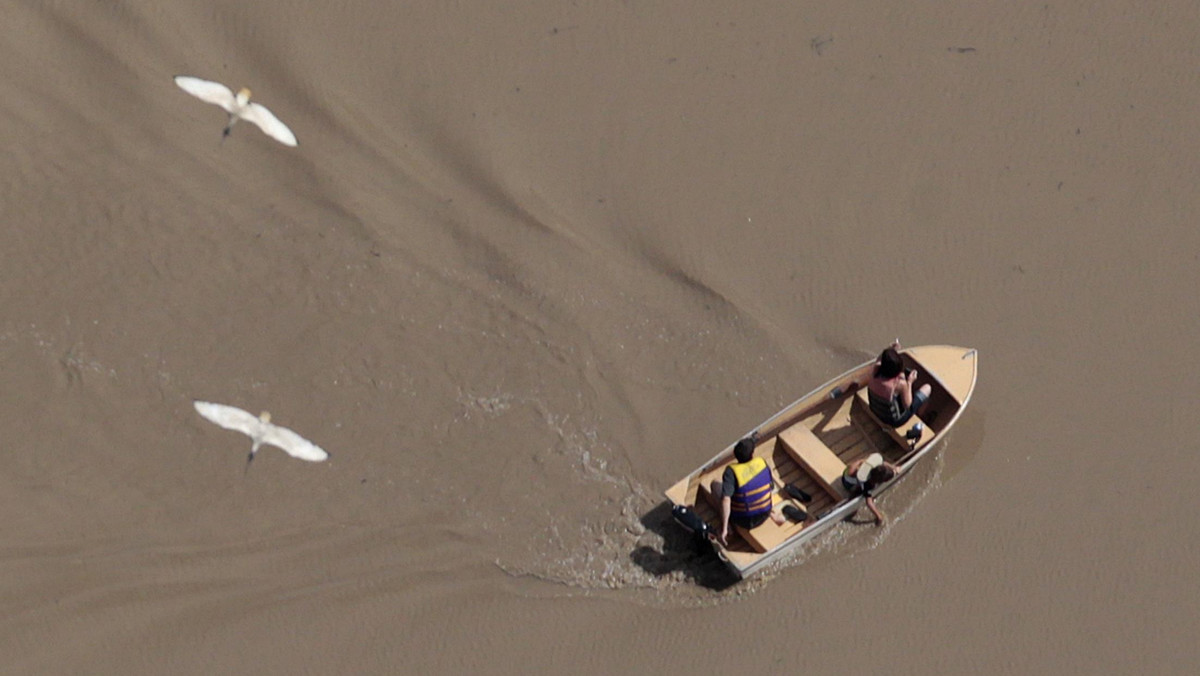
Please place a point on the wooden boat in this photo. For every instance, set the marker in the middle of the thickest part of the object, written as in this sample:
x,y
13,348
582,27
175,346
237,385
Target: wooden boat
x,y
809,443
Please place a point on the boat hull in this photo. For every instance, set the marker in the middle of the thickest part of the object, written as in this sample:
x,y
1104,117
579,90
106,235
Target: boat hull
x,y
809,442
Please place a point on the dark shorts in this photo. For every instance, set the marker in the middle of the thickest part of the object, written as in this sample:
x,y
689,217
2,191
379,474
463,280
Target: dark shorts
x,y
918,401
751,522
852,485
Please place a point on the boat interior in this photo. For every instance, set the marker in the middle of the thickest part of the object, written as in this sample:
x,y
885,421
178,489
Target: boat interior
x,y
810,448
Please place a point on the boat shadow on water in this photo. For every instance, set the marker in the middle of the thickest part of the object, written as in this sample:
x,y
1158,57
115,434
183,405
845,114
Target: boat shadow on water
x,y
692,556
682,553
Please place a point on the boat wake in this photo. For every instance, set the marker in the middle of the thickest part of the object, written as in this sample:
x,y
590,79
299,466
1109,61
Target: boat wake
x,y
650,560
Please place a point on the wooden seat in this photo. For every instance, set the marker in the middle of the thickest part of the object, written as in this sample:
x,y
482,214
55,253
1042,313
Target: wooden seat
x,y
767,535
810,453
897,433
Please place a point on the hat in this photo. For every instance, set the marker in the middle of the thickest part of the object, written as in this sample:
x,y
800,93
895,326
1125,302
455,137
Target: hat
x,y
864,470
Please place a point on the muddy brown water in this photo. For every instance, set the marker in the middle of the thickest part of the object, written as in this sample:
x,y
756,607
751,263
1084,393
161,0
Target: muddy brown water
x,y
534,261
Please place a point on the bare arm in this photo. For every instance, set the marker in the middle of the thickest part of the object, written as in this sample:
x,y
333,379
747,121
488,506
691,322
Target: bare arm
x,y
726,506
904,389
875,510
852,468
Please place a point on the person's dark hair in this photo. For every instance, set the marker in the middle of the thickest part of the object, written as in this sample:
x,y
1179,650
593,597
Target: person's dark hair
x,y
743,450
879,475
890,364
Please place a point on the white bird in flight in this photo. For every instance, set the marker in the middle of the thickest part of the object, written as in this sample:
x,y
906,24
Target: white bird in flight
x,y
261,431
238,106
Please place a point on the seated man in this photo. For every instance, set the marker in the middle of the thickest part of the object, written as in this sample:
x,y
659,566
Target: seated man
x,y
865,475
889,390
745,489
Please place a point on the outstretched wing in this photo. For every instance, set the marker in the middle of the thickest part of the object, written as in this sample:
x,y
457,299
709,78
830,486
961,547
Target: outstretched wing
x,y
293,444
230,417
209,92
266,121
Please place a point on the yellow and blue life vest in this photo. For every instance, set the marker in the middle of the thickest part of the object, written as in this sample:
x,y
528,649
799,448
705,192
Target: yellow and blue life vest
x,y
752,497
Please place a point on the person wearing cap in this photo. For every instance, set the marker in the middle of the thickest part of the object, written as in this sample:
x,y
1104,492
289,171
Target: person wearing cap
x,y
746,491
864,475
890,389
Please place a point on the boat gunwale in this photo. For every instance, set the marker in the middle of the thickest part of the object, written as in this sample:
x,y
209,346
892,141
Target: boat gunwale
x,y
843,509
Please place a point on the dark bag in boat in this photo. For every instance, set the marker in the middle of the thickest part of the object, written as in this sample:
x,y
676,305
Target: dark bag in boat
x,y
691,521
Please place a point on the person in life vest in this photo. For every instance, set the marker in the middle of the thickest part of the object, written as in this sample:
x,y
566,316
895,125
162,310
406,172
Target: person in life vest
x,y
864,475
746,491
